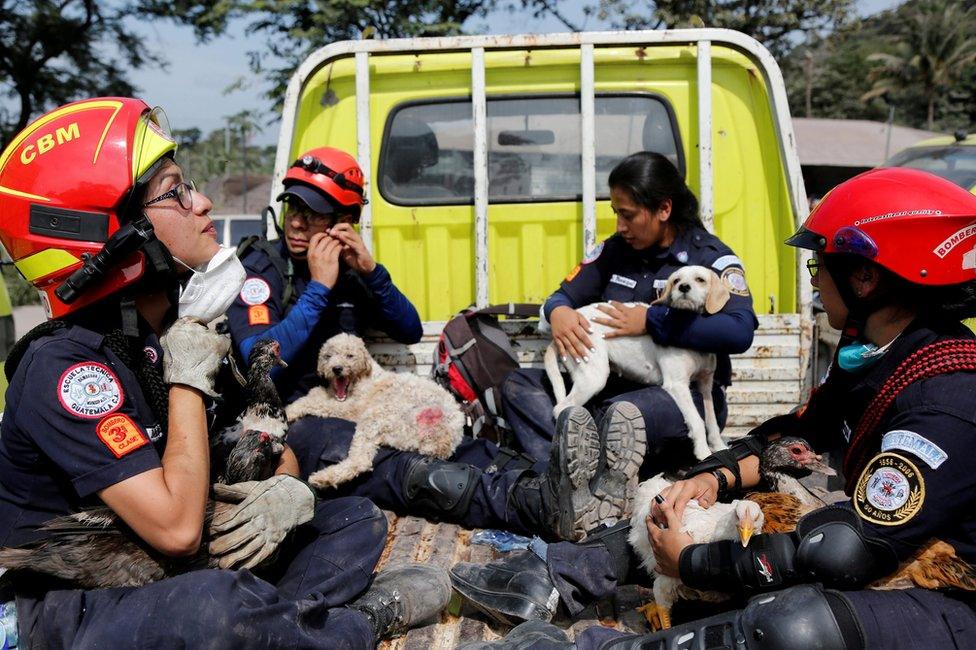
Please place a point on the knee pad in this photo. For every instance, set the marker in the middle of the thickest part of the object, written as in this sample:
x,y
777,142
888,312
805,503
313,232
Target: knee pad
x,y
801,617
834,550
439,488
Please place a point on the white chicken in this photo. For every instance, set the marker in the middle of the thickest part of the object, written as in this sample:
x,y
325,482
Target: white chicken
x,y
736,520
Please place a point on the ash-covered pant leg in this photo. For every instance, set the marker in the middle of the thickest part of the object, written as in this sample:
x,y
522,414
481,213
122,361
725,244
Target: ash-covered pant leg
x,y
320,442
527,403
204,609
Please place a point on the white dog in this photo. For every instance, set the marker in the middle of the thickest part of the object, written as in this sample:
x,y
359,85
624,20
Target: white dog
x,y
403,411
640,359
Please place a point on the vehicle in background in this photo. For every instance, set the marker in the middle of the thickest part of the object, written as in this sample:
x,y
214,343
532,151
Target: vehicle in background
x,y
487,157
952,157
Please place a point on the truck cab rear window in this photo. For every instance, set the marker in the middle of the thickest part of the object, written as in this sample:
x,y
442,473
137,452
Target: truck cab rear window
x,y
533,147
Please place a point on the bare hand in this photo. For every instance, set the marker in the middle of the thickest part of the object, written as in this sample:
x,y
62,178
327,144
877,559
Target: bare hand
x,y
570,332
625,321
323,258
354,251
669,542
702,487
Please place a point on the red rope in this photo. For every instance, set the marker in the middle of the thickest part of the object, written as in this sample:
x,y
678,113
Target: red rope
x,y
942,357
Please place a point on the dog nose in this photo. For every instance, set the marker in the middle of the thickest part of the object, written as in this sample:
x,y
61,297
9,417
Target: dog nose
x,y
337,370
684,287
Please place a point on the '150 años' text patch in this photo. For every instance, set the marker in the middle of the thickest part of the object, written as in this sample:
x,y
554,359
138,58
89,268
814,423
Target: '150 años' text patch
x,y
890,491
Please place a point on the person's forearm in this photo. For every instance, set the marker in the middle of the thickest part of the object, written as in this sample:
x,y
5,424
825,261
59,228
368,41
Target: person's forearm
x,y
292,332
186,460
288,463
748,470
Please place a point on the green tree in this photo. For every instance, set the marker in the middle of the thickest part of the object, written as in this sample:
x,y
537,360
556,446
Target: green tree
x,y
933,47
53,52
775,23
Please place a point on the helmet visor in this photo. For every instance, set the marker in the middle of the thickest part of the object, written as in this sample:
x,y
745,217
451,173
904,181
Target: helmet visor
x,y
153,141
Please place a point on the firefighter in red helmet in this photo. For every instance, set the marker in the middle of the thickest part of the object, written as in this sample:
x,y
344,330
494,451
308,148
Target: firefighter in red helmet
x,y
107,406
318,279
895,263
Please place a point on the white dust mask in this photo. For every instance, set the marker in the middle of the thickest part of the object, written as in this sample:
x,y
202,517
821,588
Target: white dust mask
x,y
213,286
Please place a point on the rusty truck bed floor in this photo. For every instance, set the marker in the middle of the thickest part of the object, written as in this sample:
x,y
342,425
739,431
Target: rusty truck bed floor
x,y
412,539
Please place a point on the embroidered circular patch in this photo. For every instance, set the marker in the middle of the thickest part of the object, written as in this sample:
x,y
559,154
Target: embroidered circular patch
x,y
255,291
890,491
593,254
151,354
734,278
90,390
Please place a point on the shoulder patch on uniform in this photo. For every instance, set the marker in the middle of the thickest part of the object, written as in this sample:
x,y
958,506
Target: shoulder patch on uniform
x,y
735,280
726,261
120,434
890,490
572,274
593,254
90,390
255,291
258,315
913,443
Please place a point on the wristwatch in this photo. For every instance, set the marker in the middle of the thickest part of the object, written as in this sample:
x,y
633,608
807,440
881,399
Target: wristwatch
x,y
723,483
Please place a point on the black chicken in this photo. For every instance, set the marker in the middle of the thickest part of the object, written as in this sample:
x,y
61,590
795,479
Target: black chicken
x,y
95,549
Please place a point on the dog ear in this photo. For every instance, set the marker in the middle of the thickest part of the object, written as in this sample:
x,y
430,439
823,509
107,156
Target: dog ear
x,y
365,359
322,366
718,294
666,293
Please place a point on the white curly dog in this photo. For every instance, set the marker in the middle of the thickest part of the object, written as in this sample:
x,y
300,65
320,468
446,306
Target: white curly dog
x,y
399,410
640,359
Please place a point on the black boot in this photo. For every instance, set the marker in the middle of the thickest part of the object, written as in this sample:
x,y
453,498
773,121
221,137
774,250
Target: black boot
x,y
531,635
518,586
592,474
512,589
403,596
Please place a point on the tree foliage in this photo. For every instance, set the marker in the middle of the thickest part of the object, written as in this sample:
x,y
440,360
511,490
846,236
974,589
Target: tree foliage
x,y
56,51
775,23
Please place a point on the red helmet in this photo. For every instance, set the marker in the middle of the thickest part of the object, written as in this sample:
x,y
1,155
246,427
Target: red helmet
x,y
325,172
64,181
912,223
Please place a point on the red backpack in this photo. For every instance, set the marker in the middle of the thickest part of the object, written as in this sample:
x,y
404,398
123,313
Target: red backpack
x,y
474,355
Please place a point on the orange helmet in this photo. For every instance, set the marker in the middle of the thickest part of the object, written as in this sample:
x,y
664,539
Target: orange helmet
x,y
326,180
919,226
64,185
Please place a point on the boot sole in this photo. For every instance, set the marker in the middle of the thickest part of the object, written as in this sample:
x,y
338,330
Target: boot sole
x,y
509,610
579,457
623,440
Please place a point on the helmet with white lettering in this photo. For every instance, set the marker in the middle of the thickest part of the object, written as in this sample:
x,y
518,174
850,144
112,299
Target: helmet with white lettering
x,y
919,226
68,216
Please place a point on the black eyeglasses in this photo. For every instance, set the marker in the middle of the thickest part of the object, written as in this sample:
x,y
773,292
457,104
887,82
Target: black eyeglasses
x,y
316,166
314,219
813,266
183,193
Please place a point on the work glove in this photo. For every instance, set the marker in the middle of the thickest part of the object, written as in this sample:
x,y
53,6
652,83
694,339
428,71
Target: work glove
x,y
246,534
192,354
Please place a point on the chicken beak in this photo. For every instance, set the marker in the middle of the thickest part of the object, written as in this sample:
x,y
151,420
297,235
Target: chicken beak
x,y
820,467
282,362
745,533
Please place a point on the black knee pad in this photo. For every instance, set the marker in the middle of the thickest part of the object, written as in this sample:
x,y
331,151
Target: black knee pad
x,y
439,488
801,617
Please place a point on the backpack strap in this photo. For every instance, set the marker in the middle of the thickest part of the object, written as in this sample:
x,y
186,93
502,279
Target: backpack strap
x,y
284,267
511,310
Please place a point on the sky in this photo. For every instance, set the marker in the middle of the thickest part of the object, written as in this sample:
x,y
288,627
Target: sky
x,y
193,95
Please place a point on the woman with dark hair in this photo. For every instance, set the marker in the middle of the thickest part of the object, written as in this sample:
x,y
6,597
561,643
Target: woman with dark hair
x,y
658,231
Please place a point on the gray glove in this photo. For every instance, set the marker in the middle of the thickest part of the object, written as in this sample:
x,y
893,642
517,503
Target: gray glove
x,y
192,354
246,534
